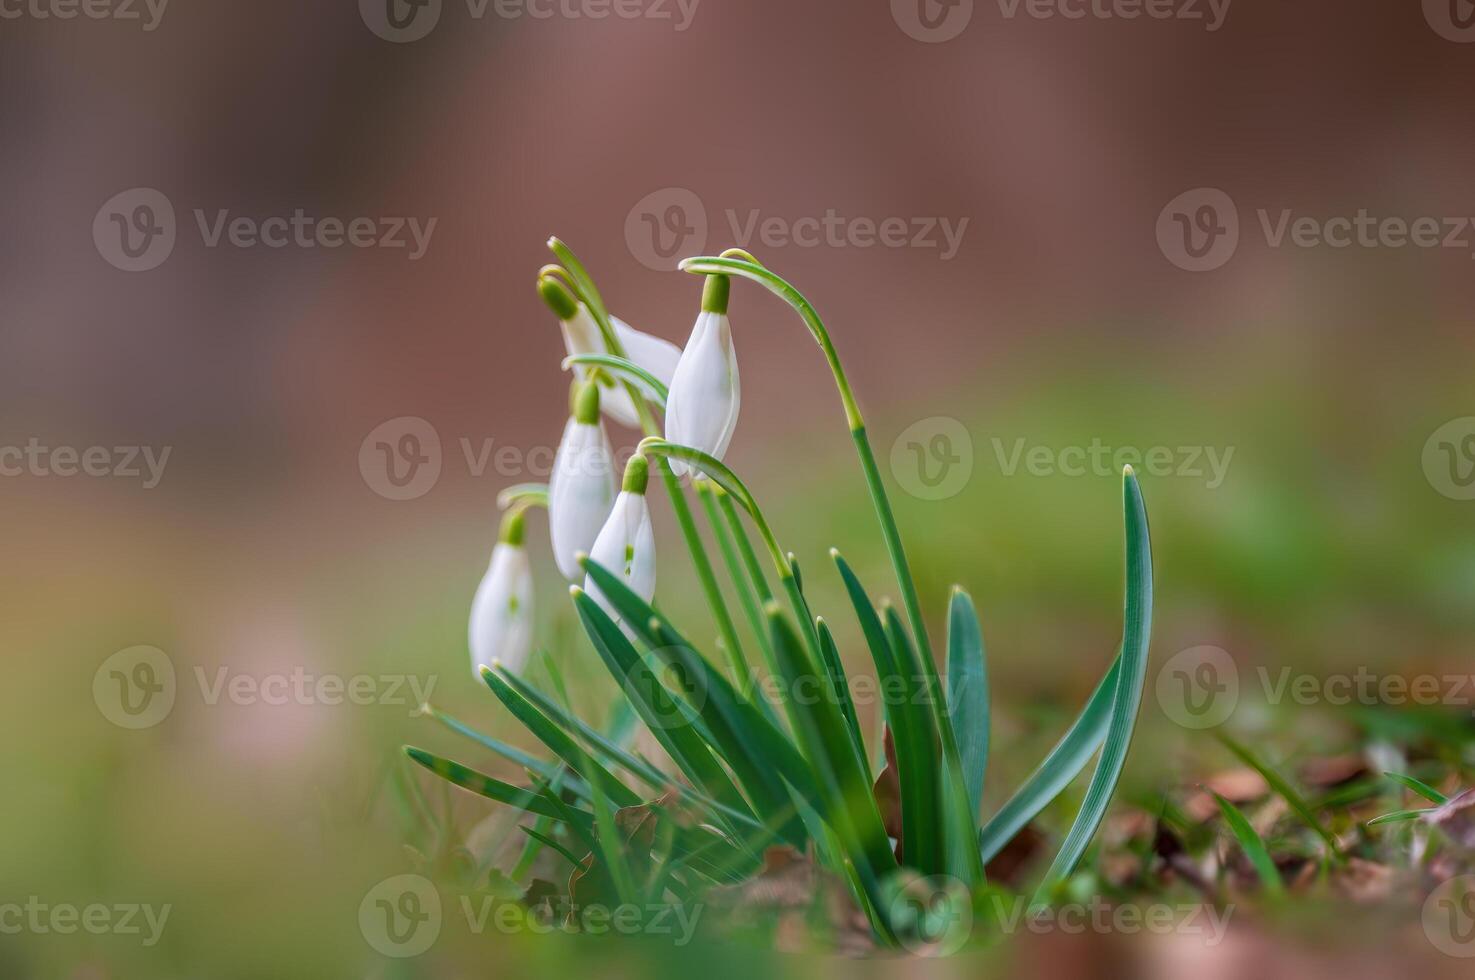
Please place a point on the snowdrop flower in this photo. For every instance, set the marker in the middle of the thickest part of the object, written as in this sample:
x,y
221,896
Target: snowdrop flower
x,y
502,613
582,487
581,336
626,545
702,411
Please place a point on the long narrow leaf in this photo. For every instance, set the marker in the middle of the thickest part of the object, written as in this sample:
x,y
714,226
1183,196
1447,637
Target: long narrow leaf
x,y
664,716
851,807
911,731
742,735
1059,769
600,779
495,789
967,693
1128,697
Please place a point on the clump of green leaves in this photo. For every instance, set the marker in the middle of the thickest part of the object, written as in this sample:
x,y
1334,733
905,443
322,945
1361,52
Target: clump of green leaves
x,y
751,778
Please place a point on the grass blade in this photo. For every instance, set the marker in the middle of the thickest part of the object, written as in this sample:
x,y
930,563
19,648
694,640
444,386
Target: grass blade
x,y
1421,788
1279,783
1253,846
495,789
1398,816
1127,698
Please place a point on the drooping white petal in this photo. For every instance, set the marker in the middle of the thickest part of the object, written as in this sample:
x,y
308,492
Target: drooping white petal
x,y
501,626
626,546
581,492
581,336
656,354
702,411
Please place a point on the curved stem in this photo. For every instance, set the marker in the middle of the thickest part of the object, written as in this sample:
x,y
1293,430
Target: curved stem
x,y
722,475
626,369
523,495
710,265
719,265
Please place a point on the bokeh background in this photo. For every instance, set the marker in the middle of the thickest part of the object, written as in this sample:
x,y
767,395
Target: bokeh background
x,y
1065,314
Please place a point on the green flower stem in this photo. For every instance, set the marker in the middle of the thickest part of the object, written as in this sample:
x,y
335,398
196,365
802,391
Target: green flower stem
x,y
710,265
523,495
968,866
584,288
707,492
745,547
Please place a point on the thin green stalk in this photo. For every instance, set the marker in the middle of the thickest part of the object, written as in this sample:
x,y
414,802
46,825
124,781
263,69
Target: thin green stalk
x,y
966,865
707,492
721,474
745,547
